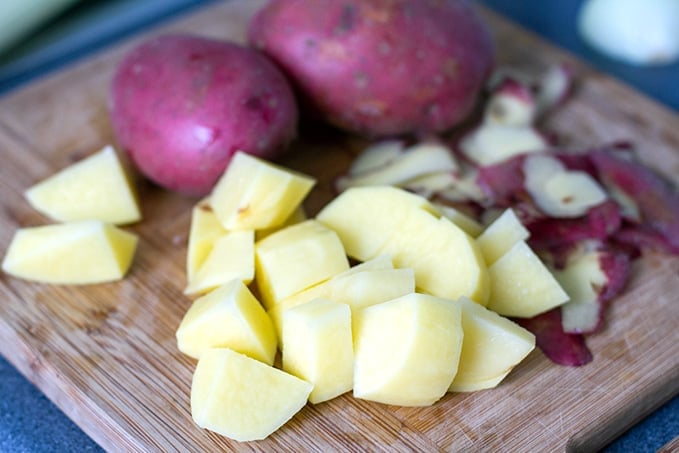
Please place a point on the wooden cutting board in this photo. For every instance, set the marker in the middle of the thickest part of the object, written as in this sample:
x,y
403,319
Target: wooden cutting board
x,y
106,354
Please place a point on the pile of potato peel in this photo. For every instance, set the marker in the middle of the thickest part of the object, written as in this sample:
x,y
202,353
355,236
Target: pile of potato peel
x,y
627,207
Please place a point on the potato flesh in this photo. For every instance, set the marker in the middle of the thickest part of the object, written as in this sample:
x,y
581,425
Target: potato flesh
x,y
228,317
501,235
493,143
296,258
559,192
81,252
491,347
297,216
372,221
581,280
466,223
424,158
242,398
355,289
232,256
383,208
255,194
95,188
407,350
205,229
382,262
521,285
318,347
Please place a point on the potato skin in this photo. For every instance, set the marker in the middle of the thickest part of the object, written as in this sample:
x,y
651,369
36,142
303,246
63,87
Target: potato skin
x,y
182,105
380,67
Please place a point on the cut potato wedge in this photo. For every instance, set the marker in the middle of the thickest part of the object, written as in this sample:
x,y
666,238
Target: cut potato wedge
x,y
407,350
95,188
317,347
77,253
243,398
491,348
228,317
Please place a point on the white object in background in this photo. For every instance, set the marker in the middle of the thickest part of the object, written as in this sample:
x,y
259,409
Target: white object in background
x,y
20,17
641,32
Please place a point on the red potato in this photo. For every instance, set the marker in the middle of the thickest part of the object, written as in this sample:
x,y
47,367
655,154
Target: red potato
x,y
380,67
181,106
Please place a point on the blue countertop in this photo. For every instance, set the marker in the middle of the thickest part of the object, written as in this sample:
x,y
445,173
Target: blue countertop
x,y
29,422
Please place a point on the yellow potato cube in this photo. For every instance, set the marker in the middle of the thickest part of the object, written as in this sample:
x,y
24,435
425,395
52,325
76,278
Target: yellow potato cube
x,y
381,262
242,398
372,221
364,217
521,285
462,220
355,289
88,251
232,256
407,350
255,194
95,188
296,258
205,229
501,235
228,317
318,347
297,216
491,348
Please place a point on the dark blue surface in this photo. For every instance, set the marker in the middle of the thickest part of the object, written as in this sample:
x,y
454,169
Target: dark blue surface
x,y
29,422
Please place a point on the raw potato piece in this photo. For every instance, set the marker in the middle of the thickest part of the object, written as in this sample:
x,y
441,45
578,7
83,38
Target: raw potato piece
x,y
355,289
366,209
372,221
296,258
95,188
242,398
521,285
228,317
89,251
407,350
205,229
466,223
330,290
317,347
297,216
232,256
255,194
501,235
491,347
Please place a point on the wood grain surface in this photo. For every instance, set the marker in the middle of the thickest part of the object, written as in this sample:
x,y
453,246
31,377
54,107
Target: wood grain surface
x,y
106,354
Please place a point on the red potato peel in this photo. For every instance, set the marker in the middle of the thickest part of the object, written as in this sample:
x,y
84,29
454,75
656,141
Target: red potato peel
x,y
599,222
604,269
181,106
559,347
656,198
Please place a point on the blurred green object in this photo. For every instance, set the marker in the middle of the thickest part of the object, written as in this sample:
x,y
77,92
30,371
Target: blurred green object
x,y
18,18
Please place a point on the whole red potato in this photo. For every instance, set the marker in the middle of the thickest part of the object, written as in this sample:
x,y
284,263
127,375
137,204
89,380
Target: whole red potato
x,y
380,67
182,105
